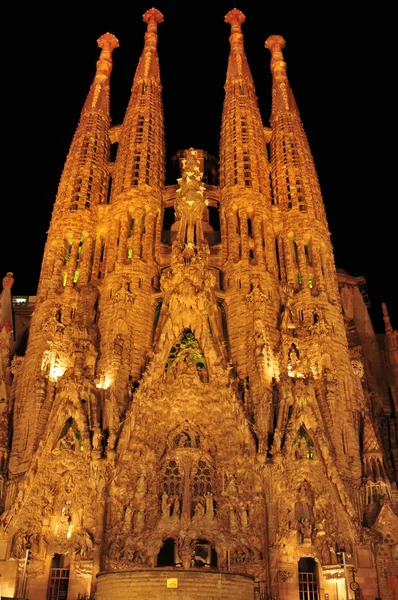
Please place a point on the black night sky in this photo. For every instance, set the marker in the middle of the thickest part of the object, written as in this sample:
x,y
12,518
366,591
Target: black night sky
x,y
338,63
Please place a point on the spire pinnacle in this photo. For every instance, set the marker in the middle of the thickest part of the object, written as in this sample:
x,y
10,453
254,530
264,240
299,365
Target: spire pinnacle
x,y
97,97
5,303
283,99
190,199
152,17
276,43
386,318
107,42
235,18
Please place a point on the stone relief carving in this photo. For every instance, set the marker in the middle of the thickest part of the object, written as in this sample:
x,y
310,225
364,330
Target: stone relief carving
x,y
358,368
285,575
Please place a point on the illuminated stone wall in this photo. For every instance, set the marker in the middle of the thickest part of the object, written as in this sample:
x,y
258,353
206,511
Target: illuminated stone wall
x,y
194,389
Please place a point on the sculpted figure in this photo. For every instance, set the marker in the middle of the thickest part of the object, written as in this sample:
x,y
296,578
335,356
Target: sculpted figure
x,y
165,505
176,507
276,446
306,530
325,553
304,504
68,441
232,488
259,341
301,448
18,545
209,504
243,515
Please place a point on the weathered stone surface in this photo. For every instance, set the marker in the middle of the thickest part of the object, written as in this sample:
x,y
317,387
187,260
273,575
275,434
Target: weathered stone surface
x,y
201,398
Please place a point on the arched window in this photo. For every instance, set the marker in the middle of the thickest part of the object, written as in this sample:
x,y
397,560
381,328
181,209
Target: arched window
x,y
172,479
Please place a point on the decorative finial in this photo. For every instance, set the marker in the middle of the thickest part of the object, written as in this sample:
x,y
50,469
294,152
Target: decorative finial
x,y
235,18
8,280
275,42
386,318
153,16
108,41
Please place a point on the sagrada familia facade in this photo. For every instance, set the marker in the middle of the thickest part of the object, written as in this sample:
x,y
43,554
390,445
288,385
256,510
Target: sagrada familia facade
x,y
202,409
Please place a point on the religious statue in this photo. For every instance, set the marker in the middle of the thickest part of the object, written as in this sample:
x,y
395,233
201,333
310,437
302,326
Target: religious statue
x,y
301,448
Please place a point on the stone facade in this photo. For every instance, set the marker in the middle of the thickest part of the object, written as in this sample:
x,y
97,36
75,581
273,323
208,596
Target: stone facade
x,y
201,401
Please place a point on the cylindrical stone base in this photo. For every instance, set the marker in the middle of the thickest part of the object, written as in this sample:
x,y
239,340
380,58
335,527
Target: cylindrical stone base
x,y
181,584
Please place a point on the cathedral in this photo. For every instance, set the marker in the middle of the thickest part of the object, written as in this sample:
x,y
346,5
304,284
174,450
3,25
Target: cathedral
x,y
195,404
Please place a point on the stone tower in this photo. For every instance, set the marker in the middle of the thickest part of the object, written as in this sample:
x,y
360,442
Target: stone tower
x,y
202,405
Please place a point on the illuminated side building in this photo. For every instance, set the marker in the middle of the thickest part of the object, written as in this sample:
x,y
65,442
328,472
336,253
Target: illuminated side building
x,y
202,408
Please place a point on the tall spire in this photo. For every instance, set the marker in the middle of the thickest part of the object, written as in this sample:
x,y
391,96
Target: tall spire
x,y
290,151
83,184
386,318
89,149
247,228
140,158
238,68
66,267
306,265
282,95
243,157
127,255
98,96
6,320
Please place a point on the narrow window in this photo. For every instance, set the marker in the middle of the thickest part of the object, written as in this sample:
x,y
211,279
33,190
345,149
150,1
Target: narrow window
x,y
249,228
223,319
68,251
102,251
108,197
296,255
278,259
76,276
157,315
307,253
64,278
80,249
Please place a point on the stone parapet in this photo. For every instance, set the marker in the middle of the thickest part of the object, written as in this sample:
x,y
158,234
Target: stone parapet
x,y
184,584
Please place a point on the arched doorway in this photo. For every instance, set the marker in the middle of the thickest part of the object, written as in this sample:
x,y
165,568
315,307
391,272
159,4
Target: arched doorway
x,y
59,577
166,556
308,580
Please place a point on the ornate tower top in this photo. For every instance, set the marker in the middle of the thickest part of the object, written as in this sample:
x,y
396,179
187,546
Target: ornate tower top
x,y
238,67
148,67
190,201
97,99
243,158
386,318
283,99
140,158
6,319
152,16
235,18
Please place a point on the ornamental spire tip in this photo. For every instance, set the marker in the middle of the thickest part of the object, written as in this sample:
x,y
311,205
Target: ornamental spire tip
x,y
108,39
235,18
153,15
